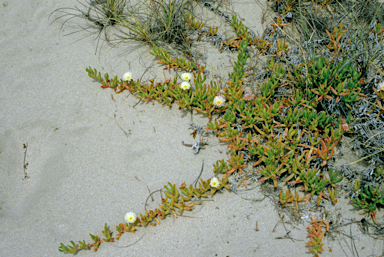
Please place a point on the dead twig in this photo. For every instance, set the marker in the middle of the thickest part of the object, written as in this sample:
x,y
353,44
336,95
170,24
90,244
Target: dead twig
x,y
254,200
197,179
150,192
150,195
132,243
136,103
126,133
25,146
189,145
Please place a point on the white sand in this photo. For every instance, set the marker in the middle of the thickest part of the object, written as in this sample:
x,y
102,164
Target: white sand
x,y
84,171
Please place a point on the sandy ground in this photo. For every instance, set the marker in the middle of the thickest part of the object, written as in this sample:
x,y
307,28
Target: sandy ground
x,y
91,155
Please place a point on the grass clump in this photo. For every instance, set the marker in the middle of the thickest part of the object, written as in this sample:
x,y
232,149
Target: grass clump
x,y
157,23
101,15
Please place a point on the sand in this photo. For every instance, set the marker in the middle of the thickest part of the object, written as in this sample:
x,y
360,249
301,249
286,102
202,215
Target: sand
x,y
93,155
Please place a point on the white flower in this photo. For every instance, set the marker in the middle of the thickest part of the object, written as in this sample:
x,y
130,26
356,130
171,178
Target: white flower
x,y
219,101
215,182
186,76
185,85
127,76
130,217
380,87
